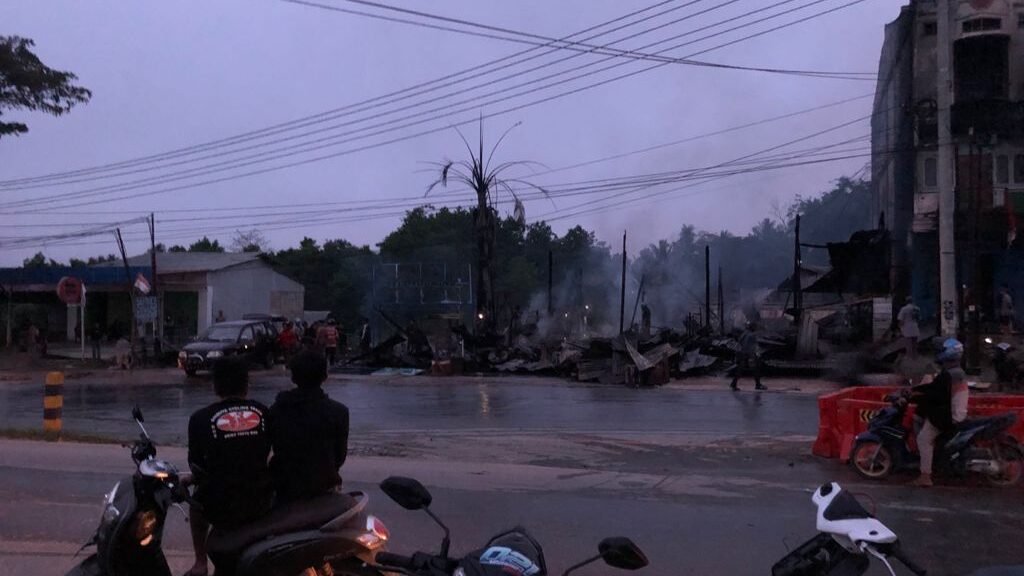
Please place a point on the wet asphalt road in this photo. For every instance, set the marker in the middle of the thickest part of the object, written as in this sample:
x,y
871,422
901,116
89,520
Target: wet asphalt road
x,y
100,404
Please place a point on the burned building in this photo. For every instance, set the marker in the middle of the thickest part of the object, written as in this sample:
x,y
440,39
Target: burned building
x,y
987,119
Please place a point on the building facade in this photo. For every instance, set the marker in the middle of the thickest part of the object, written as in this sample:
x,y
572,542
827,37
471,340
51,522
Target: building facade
x,y
987,120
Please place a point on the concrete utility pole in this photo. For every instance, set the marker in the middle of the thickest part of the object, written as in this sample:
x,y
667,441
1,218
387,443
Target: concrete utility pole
x,y
947,198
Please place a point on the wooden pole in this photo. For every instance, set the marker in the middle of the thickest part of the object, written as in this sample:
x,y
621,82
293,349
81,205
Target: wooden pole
x,y
131,296
622,300
707,287
798,299
721,303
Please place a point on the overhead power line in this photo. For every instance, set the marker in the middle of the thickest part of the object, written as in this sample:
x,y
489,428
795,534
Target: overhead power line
x,y
476,71
125,187
541,40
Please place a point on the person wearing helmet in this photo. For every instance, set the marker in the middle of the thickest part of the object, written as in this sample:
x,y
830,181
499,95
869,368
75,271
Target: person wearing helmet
x,y
941,405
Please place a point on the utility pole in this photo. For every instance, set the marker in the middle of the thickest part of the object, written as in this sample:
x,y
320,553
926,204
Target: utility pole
x,y
721,303
707,287
947,198
798,297
157,333
622,300
131,295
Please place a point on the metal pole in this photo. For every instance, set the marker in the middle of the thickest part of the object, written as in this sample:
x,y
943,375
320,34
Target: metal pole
x,y
622,300
707,287
947,194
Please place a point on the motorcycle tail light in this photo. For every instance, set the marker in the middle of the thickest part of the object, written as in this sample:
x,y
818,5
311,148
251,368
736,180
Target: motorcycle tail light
x,y
376,533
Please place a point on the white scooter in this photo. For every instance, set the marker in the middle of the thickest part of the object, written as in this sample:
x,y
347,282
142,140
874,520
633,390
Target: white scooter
x,y
849,536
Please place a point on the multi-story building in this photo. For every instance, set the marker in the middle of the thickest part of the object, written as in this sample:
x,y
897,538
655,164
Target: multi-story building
x,y
987,119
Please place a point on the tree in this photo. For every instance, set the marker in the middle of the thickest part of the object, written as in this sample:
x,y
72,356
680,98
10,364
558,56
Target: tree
x,y
485,180
177,248
204,244
39,261
28,84
249,241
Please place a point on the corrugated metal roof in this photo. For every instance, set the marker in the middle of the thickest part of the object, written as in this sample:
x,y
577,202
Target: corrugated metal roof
x,y
182,262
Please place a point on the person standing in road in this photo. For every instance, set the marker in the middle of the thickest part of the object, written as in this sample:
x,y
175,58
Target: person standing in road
x,y
1006,311
96,339
748,358
908,318
220,317
228,446
327,339
310,433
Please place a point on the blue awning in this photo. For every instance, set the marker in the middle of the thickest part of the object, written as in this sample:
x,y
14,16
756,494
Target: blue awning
x,y
92,276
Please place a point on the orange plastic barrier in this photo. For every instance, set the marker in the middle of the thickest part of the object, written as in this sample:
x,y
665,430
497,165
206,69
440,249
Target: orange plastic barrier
x,y
845,414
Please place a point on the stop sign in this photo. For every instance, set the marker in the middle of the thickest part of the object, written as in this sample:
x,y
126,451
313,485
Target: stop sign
x,y
69,289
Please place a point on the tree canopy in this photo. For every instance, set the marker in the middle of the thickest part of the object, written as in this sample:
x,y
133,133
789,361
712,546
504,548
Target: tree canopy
x,y
26,83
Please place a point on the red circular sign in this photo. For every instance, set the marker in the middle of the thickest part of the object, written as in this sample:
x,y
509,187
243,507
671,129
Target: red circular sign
x,y
69,289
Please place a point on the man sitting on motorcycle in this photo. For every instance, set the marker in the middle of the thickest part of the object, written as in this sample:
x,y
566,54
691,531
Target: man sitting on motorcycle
x,y
941,405
228,446
310,433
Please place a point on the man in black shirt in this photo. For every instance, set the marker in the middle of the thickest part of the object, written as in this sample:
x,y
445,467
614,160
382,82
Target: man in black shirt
x,y
310,435
228,445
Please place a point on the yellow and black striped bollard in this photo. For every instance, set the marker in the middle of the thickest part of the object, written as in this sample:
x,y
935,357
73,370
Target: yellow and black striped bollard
x,y
53,405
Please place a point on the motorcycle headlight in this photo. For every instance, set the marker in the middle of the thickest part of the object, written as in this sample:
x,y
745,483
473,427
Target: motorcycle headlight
x,y
145,526
214,354
110,512
376,534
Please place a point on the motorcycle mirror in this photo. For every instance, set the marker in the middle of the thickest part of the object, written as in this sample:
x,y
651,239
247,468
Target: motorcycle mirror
x,y
622,553
407,492
137,413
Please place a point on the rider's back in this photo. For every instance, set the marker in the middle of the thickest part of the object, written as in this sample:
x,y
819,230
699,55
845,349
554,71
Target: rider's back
x,y
310,442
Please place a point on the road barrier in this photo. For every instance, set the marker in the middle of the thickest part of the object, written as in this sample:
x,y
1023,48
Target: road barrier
x,y
844,414
53,403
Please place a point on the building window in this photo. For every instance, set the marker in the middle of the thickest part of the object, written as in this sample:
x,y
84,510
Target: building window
x,y
931,28
982,25
931,177
1018,169
1020,20
1002,169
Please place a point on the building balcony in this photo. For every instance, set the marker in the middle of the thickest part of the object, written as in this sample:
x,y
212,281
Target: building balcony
x,y
1000,118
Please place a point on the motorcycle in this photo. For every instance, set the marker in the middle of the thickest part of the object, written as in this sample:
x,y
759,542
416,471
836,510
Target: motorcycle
x,y
979,446
511,553
1006,361
848,538
329,535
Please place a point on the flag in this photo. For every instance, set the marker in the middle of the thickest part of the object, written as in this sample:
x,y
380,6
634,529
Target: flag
x,y
141,284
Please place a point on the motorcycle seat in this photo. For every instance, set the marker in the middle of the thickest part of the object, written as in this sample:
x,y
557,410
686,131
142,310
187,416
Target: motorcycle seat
x,y
290,517
999,422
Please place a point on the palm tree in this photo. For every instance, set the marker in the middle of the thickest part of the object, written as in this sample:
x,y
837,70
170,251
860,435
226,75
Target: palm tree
x,y
485,179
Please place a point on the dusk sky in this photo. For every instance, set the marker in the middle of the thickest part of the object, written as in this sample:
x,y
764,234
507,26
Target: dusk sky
x,y
170,75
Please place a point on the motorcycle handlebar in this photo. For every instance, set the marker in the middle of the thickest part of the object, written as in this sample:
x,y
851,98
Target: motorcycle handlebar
x,y
395,561
898,554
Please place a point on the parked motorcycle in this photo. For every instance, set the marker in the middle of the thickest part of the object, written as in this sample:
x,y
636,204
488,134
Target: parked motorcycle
x,y
849,537
1006,360
979,446
511,553
327,535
